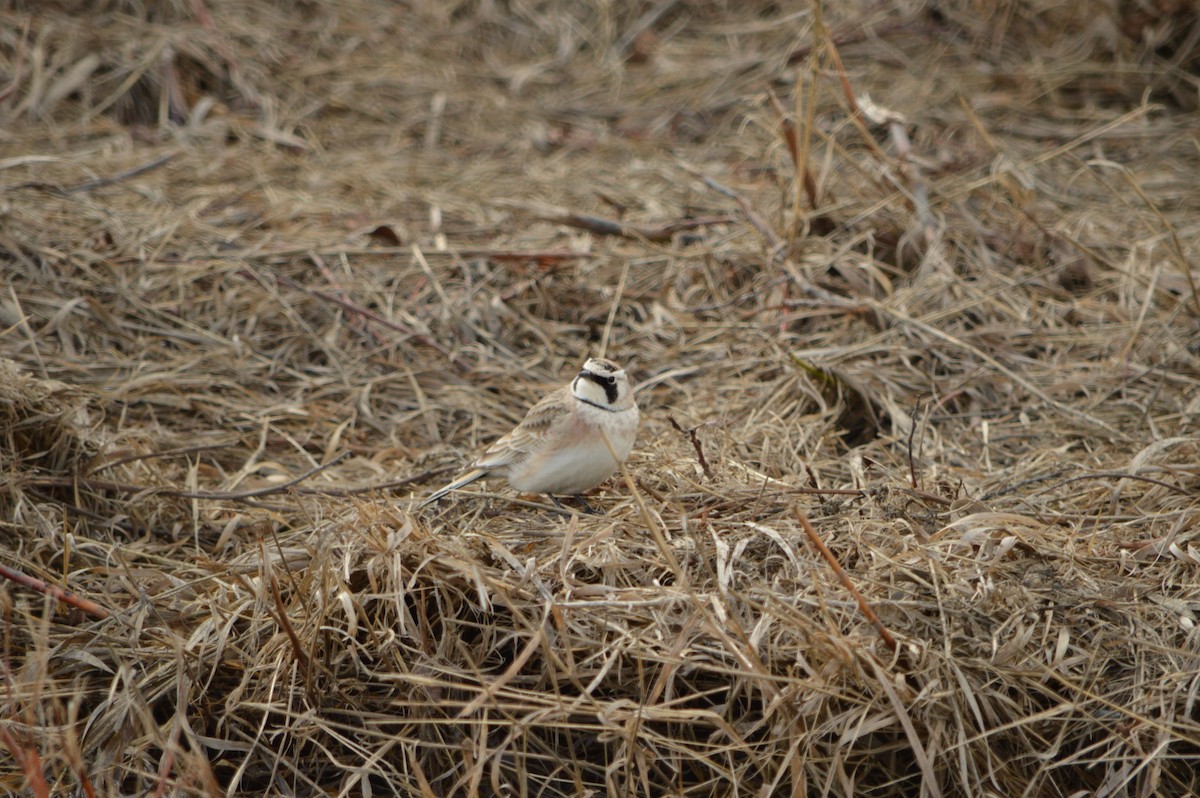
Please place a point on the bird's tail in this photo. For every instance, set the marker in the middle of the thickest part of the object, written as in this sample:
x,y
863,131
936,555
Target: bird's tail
x,y
465,479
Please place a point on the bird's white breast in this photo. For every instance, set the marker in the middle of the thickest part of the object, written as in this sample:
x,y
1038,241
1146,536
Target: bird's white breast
x,y
580,459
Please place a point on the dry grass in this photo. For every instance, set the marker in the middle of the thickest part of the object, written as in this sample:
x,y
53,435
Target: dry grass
x,y
270,272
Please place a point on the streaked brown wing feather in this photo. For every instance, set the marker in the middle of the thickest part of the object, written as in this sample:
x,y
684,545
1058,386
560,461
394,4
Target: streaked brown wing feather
x,y
527,437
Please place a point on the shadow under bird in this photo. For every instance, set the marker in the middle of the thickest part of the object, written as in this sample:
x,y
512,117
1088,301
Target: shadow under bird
x,y
569,442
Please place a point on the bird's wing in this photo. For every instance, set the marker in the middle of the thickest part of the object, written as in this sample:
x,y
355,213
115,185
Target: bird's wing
x,y
531,434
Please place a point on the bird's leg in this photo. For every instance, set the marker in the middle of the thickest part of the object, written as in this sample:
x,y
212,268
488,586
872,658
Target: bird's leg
x,y
557,503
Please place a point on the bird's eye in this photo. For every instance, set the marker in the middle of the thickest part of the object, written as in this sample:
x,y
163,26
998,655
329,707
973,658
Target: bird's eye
x,y
611,380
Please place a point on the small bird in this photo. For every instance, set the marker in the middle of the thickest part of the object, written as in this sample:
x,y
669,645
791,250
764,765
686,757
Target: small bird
x,y
569,442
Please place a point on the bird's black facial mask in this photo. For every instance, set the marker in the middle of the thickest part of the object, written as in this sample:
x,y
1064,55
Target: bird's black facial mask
x,y
609,384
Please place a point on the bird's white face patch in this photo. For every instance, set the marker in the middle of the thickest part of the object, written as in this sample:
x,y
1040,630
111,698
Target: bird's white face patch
x,y
594,390
601,383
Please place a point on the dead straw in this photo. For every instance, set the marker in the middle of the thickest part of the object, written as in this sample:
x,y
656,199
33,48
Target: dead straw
x,y
264,270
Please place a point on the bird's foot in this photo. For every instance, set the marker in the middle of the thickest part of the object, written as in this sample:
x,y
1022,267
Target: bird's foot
x,y
583,503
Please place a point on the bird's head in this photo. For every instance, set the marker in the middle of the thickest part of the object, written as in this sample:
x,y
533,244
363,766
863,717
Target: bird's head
x,y
603,383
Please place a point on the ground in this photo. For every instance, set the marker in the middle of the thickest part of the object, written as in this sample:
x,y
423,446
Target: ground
x,y
909,294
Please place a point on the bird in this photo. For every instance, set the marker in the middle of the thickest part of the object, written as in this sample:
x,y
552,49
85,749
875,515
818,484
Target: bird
x,y
569,442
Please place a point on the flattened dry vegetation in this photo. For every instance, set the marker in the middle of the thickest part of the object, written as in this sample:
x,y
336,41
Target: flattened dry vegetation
x,y
924,277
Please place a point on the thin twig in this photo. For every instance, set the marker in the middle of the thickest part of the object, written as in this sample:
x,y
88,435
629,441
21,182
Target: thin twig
x,y
282,618
54,591
856,114
1176,249
360,322
863,605
380,486
613,227
367,313
691,434
285,254
858,33
1024,382
912,429
174,493
787,129
542,256
117,487
182,450
1118,475
30,763
752,216
99,182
